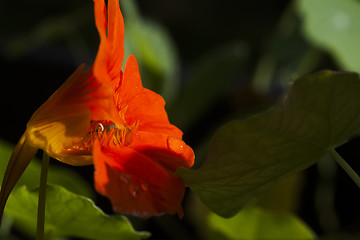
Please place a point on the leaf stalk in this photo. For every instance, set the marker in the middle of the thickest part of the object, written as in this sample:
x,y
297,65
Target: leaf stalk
x,y
344,165
42,197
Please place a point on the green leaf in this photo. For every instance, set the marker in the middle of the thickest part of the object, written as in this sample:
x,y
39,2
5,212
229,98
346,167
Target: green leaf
x,y
334,25
67,214
255,223
320,112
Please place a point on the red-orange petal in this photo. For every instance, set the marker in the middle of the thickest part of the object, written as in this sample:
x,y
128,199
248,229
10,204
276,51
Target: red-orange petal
x,y
170,152
108,62
110,24
135,184
116,38
141,105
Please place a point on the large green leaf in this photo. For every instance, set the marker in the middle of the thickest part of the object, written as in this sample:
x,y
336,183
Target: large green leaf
x,y
67,214
254,223
334,26
63,176
319,113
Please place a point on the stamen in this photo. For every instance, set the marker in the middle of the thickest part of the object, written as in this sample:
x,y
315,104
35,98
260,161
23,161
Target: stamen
x,y
100,128
107,133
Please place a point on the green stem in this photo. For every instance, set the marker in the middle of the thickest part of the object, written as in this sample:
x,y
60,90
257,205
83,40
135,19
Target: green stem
x,y
42,197
353,175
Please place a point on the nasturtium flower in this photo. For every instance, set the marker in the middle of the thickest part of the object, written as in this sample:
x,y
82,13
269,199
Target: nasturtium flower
x,y
104,116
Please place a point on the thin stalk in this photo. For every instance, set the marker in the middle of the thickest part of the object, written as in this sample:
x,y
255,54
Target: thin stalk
x,y
343,164
42,197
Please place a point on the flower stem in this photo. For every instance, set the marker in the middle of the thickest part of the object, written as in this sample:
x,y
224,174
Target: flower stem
x,y
352,174
42,197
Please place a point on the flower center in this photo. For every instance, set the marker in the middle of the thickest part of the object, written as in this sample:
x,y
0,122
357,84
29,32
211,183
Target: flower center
x,y
106,133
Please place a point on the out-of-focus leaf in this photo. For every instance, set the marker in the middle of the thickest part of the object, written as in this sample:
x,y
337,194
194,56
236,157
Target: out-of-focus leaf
x,y
334,25
57,175
319,113
154,49
212,77
253,224
45,32
67,214
5,229
51,28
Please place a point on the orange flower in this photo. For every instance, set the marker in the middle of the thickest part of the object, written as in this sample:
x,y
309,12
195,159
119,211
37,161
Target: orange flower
x,y
105,116
134,166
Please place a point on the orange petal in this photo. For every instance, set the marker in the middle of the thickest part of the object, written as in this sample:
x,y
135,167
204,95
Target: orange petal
x,y
19,160
169,152
116,38
64,119
142,105
57,130
100,17
131,84
108,63
135,184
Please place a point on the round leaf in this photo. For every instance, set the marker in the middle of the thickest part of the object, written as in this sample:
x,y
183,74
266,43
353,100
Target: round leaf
x,y
320,112
67,214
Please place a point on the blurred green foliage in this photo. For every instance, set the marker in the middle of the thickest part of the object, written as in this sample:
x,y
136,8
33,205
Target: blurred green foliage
x,y
254,223
333,25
